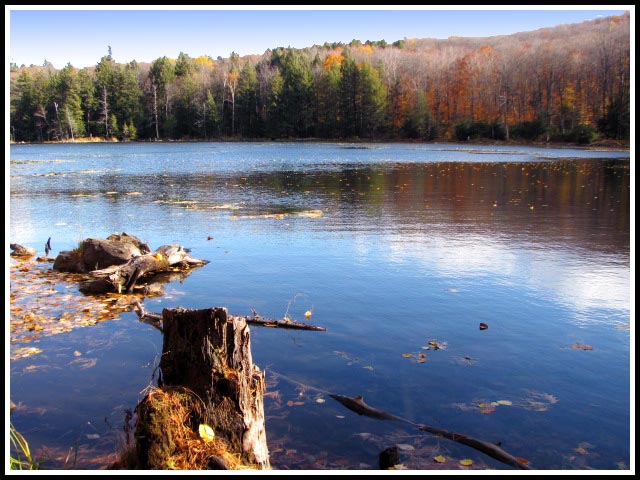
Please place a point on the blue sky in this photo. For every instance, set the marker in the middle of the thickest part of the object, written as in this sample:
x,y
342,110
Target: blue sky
x,y
81,35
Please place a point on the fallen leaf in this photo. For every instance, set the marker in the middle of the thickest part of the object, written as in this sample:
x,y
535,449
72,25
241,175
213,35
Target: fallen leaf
x,y
486,411
504,402
523,460
407,355
76,353
206,432
467,462
439,459
320,400
483,326
307,314
580,450
290,403
587,347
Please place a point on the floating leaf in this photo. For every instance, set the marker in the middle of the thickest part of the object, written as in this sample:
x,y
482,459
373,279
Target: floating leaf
x,y
407,355
587,347
580,450
523,460
290,403
368,367
504,402
76,353
206,432
467,462
483,326
320,400
307,314
439,459
298,403
486,411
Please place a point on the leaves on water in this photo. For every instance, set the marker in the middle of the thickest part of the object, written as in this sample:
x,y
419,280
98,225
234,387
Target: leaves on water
x,y
435,345
25,352
483,326
580,450
439,459
523,460
307,314
45,302
466,462
85,363
578,346
536,401
407,355
206,432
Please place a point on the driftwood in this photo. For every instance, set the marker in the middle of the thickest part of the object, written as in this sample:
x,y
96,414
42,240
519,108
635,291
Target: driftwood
x,y
155,319
122,263
123,278
208,354
357,405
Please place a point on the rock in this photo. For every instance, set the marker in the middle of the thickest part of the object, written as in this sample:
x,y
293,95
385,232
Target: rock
x,y
68,261
98,253
389,457
22,251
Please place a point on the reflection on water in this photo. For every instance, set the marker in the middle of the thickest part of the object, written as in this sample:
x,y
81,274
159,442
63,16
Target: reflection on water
x,y
391,246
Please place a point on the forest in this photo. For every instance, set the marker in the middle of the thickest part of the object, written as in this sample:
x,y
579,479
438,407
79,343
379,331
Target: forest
x,y
569,83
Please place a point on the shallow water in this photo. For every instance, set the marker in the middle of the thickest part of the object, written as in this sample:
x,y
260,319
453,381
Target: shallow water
x,y
390,246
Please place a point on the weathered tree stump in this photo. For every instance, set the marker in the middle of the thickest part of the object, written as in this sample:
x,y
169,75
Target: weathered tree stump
x,y
208,353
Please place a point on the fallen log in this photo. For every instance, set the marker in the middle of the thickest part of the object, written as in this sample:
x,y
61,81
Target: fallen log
x,y
358,405
123,278
155,319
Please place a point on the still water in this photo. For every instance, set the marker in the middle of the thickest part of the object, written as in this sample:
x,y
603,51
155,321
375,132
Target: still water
x,y
390,246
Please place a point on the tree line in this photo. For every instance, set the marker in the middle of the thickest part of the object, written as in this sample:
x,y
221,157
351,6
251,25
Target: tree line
x,y
568,83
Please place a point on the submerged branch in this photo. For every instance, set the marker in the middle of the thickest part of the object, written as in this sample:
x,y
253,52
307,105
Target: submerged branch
x,y
357,404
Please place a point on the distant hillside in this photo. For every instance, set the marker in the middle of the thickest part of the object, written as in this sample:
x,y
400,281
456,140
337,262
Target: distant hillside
x,y
569,83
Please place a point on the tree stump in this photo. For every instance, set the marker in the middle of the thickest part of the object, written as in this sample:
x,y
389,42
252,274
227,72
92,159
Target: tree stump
x,y
208,353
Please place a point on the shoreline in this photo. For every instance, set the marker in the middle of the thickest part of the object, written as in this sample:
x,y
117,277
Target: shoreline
x,y
607,145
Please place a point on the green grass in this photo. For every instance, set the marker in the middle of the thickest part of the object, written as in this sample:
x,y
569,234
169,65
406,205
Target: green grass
x,y
22,459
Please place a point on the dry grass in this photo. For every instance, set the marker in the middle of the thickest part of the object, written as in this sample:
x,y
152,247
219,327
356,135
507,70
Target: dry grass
x,y
170,420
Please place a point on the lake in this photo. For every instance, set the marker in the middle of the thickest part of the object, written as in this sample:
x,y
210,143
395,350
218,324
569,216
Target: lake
x,y
399,250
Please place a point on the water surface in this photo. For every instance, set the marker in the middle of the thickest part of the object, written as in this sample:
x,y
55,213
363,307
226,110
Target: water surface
x,y
391,246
